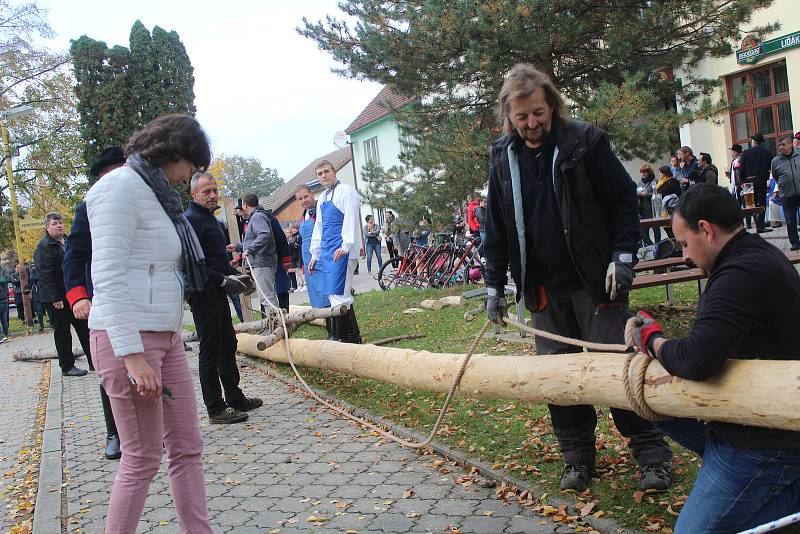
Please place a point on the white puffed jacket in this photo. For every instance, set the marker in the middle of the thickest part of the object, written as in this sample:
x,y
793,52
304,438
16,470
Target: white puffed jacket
x,y
135,256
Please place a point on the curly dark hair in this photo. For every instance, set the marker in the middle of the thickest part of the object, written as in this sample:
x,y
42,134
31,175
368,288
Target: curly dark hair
x,y
170,138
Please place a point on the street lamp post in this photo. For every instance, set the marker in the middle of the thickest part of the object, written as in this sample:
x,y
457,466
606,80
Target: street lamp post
x,y
18,111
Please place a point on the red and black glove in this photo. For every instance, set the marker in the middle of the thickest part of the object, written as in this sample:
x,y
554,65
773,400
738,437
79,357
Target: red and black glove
x,y
645,335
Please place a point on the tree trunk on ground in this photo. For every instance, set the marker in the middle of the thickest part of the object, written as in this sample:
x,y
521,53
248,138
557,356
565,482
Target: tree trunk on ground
x,y
752,392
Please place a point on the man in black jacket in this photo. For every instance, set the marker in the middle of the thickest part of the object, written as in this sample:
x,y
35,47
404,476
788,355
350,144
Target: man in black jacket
x,y
49,256
211,313
77,267
562,211
755,162
750,475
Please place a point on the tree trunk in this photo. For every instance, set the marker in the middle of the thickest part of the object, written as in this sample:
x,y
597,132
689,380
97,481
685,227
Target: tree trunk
x,y
753,392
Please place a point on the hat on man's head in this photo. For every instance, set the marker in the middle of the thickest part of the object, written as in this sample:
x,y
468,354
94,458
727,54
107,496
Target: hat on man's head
x,y
736,147
110,156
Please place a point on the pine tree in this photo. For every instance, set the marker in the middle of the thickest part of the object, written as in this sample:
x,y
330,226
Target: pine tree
x,y
604,56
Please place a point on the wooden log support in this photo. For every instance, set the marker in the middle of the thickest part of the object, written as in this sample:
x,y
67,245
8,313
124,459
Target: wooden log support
x,y
762,393
444,302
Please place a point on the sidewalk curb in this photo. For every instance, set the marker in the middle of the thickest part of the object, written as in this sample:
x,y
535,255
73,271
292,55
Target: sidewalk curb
x,y
47,512
451,453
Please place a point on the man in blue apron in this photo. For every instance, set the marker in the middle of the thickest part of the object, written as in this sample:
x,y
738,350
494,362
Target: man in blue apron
x,y
335,244
314,281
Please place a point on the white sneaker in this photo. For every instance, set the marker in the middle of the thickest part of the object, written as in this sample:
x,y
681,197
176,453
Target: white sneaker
x,y
3,338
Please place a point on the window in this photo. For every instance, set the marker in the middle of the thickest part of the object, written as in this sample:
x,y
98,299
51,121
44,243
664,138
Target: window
x,y
371,151
760,103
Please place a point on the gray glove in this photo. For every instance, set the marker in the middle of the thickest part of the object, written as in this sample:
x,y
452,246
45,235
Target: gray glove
x,y
619,275
496,305
238,283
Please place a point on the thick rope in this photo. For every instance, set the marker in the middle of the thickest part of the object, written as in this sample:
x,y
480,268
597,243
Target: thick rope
x,y
589,345
410,444
634,392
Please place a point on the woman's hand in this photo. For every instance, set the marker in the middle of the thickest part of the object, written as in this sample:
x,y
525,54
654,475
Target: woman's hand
x,y
148,385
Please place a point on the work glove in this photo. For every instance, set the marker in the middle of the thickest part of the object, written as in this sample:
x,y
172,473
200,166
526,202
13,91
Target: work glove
x,y
645,335
496,305
619,275
238,283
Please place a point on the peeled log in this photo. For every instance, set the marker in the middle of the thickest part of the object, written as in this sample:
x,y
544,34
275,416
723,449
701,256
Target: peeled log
x,y
753,392
444,302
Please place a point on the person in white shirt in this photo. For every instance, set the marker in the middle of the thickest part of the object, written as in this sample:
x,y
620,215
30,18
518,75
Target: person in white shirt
x,y
334,246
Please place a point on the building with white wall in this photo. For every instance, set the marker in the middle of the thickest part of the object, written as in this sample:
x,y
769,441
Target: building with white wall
x,y
766,75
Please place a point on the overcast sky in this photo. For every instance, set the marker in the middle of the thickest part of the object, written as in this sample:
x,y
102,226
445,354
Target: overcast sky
x,y
261,89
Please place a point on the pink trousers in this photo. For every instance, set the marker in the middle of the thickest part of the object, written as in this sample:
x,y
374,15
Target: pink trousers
x,y
146,426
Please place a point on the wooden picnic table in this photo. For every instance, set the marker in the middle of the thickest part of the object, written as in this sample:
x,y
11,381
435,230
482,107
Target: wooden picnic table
x,y
674,277
657,222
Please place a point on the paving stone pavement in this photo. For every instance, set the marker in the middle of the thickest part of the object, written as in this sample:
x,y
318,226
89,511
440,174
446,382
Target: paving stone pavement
x,y
19,397
291,462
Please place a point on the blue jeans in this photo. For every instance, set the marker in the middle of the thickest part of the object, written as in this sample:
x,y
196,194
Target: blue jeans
x,y
4,318
736,489
373,249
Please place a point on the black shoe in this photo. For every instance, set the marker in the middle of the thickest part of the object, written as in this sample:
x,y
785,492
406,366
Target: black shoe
x,y
794,247
227,416
113,452
576,477
75,372
656,476
187,348
248,404
763,230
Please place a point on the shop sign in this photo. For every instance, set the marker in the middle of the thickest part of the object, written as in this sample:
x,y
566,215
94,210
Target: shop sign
x,y
752,50
31,225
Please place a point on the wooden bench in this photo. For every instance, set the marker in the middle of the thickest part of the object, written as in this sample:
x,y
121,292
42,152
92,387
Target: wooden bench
x,y
686,275
657,222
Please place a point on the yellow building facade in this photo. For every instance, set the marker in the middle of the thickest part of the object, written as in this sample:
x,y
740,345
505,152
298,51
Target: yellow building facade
x,y
761,80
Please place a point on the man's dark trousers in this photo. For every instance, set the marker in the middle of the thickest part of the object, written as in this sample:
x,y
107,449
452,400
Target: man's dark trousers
x,y
217,359
62,319
760,192
790,205
574,314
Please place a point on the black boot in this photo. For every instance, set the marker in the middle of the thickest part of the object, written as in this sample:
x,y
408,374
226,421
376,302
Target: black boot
x,y
353,332
113,451
340,326
330,326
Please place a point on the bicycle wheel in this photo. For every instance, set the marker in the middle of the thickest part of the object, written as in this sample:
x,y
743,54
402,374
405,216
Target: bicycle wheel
x,y
390,272
440,267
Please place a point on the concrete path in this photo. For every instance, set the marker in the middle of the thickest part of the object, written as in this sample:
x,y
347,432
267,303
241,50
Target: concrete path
x,y
292,467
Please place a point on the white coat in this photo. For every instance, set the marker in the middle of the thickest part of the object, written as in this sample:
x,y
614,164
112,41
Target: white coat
x,y
135,256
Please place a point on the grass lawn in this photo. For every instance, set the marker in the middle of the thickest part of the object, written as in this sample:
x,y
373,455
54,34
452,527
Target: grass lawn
x,y
513,436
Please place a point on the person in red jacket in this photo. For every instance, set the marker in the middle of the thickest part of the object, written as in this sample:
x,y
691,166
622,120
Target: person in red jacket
x,y
472,222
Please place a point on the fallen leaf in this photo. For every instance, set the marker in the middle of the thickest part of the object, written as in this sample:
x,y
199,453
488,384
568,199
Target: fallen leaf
x,y
408,493
315,519
587,508
637,497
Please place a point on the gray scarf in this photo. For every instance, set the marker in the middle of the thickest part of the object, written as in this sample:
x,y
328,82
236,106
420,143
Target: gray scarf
x,y
193,267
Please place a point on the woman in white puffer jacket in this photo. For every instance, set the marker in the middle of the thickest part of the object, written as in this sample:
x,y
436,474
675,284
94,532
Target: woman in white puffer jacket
x,y
143,252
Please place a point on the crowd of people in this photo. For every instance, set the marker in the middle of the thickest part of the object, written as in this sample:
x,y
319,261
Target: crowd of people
x,y
561,214
770,180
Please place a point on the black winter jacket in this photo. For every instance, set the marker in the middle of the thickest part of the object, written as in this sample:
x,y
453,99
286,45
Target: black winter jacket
x,y
755,163
737,318
596,198
77,264
49,257
211,235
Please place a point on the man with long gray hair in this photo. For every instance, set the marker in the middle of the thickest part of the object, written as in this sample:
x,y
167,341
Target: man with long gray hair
x,y
562,211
